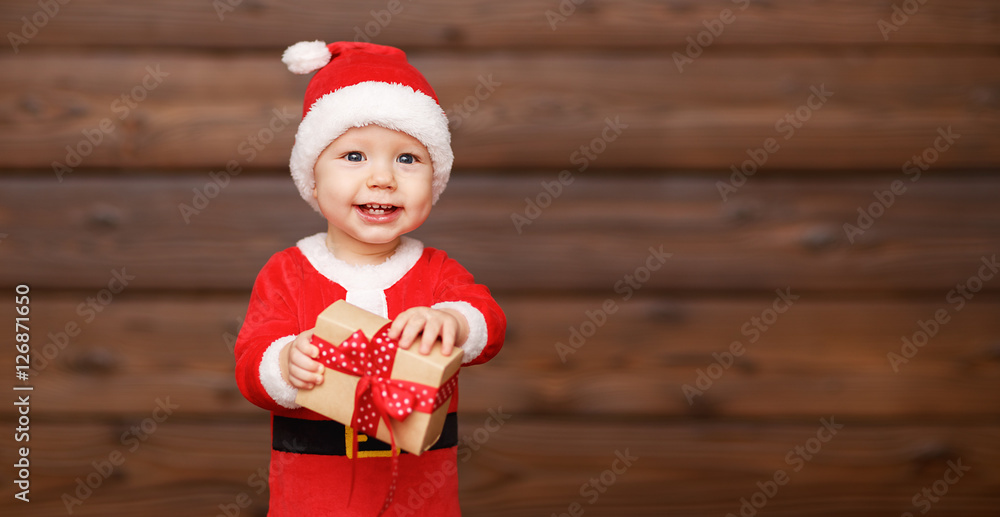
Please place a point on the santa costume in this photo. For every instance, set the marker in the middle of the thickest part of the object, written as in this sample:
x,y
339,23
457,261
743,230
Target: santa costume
x,y
312,462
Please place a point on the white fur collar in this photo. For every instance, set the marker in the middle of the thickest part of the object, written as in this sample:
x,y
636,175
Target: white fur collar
x,y
361,277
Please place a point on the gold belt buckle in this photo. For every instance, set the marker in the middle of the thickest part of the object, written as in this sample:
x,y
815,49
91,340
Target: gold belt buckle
x,y
349,441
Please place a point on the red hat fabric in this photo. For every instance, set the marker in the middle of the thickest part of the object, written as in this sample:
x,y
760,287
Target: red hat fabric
x,y
358,84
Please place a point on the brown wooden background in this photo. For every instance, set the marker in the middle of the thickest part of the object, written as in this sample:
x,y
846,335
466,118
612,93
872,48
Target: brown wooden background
x,y
168,334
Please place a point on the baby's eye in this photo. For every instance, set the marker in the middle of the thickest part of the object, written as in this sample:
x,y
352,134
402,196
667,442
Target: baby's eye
x,y
354,156
407,158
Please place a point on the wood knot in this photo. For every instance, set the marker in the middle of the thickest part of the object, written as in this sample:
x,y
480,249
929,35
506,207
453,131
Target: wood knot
x,y
819,238
228,393
666,312
95,361
32,104
742,212
104,217
452,35
931,455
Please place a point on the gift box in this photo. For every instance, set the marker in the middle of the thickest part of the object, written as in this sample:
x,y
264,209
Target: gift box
x,y
369,381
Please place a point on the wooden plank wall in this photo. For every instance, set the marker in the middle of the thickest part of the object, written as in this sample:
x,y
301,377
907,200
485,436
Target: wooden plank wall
x,y
728,332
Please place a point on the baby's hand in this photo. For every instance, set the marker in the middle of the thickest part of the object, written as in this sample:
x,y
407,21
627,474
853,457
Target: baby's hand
x,y
298,363
430,324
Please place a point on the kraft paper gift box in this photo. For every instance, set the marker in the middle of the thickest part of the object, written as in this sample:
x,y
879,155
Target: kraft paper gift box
x,y
334,398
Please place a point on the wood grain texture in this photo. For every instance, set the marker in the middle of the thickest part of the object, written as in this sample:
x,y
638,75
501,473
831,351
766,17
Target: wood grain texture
x,y
520,24
528,94
590,111
538,466
819,357
775,232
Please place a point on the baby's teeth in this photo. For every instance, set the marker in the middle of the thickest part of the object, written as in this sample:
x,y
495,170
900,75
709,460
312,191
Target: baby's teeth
x,y
377,209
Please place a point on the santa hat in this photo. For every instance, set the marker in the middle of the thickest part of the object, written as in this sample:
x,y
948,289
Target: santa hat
x,y
358,84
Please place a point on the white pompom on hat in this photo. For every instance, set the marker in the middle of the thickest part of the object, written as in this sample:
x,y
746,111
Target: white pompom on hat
x,y
357,84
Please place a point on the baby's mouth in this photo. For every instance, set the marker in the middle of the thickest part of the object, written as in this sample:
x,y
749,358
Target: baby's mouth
x,y
377,209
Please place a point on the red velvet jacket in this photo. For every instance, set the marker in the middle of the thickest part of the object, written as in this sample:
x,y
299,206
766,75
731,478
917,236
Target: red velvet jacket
x,y
310,470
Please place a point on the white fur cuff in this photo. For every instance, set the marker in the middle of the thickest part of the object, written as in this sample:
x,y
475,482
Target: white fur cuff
x,y
478,335
270,375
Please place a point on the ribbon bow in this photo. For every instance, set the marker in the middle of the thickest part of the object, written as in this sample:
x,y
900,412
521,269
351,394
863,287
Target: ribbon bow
x,y
379,397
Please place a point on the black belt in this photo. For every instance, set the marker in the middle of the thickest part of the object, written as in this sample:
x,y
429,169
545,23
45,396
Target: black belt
x,y
329,437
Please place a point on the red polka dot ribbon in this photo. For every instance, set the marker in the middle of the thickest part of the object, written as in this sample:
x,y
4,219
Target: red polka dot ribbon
x,y
378,396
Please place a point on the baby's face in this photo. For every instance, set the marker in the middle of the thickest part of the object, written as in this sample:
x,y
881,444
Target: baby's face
x,y
373,185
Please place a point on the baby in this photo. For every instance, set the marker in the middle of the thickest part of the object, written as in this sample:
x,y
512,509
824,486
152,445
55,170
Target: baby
x,y
372,155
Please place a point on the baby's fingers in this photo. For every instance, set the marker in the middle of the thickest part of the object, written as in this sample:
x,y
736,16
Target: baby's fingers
x,y
306,370
431,331
448,333
303,344
304,379
398,325
413,328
